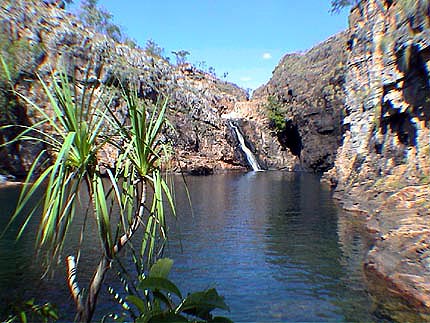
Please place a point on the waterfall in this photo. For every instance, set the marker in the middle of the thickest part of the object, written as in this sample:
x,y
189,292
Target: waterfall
x,y
248,153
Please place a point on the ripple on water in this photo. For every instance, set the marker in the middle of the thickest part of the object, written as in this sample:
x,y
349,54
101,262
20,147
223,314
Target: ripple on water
x,y
272,243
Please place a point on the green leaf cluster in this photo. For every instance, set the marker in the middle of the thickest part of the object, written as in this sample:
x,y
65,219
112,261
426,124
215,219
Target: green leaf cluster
x,y
153,49
276,114
82,122
29,312
181,56
338,5
155,298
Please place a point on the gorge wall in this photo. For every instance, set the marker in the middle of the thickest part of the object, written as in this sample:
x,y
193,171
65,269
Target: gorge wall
x,y
356,106
382,168
38,39
306,86
306,94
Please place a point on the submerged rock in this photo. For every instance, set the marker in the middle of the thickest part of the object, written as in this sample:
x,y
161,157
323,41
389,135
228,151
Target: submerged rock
x,y
201,171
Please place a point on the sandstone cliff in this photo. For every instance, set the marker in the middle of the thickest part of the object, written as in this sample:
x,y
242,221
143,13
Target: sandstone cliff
x,y
308,91
359,101
43,38
382,168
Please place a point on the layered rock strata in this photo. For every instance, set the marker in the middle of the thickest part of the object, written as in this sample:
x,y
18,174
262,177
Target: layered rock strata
x,y
308,88
382,168
49,38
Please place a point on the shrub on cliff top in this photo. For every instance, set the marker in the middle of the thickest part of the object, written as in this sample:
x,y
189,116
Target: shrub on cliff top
x,y
337,5
100,19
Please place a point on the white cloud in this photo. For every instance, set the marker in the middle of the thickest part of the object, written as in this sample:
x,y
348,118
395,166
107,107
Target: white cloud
x,y
267,56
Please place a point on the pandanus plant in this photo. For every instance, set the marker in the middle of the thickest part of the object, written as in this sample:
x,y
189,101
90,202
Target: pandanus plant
x,y
81,124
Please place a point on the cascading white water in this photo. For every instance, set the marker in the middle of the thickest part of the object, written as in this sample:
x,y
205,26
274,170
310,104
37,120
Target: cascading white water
x,y
248,153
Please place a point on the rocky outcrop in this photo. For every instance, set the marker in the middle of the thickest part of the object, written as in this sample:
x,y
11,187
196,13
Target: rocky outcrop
x,y
203,139
308,91
51,38
382,168
251,116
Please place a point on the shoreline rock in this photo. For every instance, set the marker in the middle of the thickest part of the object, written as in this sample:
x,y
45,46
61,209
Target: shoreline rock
x,y
397,266
382,169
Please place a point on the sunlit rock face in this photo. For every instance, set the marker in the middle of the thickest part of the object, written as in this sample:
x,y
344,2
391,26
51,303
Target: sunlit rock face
x,y
382,168
387,95
53,38
309,89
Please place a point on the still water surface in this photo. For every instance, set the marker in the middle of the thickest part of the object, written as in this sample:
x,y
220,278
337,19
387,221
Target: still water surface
x,y
273,243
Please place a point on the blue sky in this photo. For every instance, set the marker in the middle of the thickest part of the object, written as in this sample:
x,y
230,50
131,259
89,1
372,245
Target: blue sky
x,y
245,38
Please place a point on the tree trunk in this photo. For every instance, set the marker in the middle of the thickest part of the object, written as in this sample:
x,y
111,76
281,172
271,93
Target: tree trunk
x,y
85,315
85,309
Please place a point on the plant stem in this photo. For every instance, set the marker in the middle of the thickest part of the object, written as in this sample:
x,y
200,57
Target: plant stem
x,y
96,283
86,311
72,282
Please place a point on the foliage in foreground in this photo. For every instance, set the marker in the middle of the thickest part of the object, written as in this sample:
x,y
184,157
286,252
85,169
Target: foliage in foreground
x,y
32,312
81,124
155,298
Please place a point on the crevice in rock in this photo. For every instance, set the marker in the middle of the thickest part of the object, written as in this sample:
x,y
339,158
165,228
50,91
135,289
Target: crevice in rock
x,y
400,123
411,60
290,138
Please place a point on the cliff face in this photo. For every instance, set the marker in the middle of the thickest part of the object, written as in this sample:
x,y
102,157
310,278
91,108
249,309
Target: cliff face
x,y
382,168
48,38
307,89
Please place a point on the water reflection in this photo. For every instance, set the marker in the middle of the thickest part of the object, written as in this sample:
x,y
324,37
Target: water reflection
x,y
270,243
273,243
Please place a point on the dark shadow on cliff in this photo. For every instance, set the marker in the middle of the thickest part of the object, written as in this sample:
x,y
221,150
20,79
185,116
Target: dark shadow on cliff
x,y
416,88
13,156
411,60
290,138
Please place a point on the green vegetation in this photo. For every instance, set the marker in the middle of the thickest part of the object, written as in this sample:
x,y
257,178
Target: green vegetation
x,y
181,56
154,298
337,5
385,44
82,124
423,155
32,312
20,57
276,114
100,19
152,49
410,11
390,183
211,71
411,8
